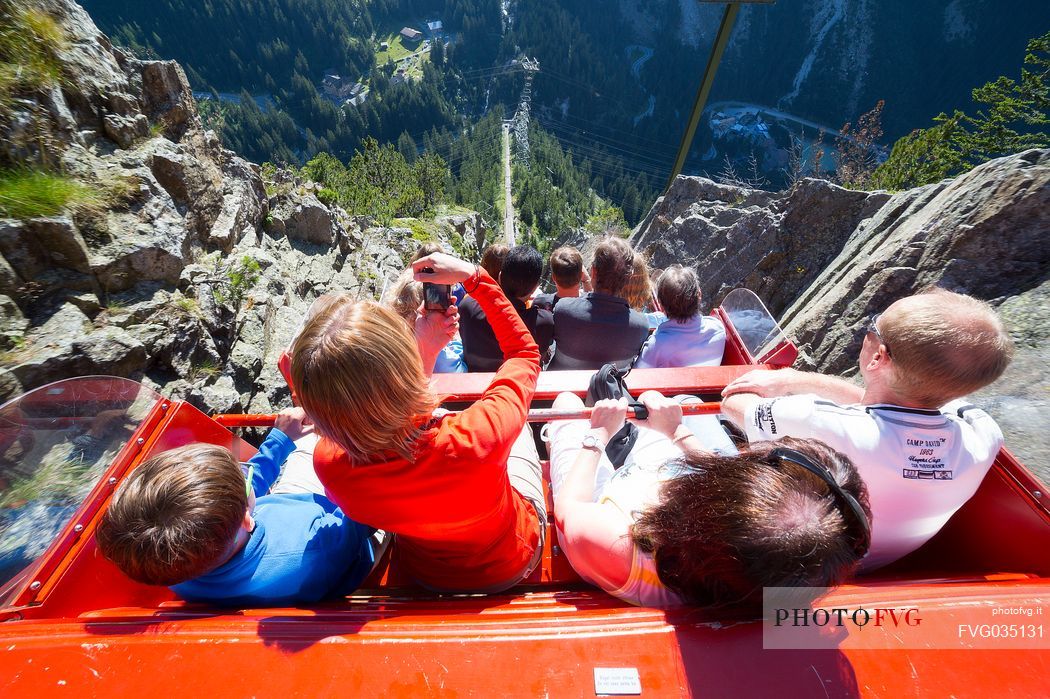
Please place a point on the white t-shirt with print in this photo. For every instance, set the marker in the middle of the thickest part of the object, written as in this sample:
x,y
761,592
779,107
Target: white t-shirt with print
x,y
920,466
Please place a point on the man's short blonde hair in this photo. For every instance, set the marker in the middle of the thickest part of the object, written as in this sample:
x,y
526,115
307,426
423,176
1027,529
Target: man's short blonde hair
x,y
358,375
943,345
175,517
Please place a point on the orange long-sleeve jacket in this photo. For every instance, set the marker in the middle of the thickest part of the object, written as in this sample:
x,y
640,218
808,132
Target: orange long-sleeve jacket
x,y
460,525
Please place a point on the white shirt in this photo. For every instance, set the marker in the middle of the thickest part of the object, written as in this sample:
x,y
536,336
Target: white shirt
x,y
632,489
699,341
920,466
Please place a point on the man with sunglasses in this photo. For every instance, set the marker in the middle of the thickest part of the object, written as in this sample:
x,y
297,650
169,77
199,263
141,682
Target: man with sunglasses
x,y
921,451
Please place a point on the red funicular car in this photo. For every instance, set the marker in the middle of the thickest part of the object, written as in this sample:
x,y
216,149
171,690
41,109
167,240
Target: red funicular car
x,y
73,625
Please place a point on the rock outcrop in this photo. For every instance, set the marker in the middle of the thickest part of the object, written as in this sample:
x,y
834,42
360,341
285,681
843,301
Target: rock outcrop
x,y
824,258
191,276
775,244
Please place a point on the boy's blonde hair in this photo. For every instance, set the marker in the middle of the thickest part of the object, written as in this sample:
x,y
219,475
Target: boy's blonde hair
x,y
175,517
358,375
566,265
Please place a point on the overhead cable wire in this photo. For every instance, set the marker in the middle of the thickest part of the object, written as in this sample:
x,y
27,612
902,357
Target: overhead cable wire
x,y
594,152
640,150
669,146
634,153
609,165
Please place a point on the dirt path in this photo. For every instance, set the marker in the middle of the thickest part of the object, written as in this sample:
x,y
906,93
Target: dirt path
x,y
508,203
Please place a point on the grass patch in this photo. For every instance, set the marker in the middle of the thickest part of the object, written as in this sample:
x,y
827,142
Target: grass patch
x,y
203,370
31,193
30,41
398,47
187,305
17,352
34,193
415,69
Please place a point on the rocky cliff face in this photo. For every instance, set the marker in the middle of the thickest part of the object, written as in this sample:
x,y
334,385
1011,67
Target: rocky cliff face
x,y
824,258
196,276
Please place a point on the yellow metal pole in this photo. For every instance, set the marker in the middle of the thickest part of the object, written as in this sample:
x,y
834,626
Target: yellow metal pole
x,y
721,40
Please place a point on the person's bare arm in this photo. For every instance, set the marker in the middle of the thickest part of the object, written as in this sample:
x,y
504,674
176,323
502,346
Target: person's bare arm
x,y
594,536
789,382
607,418
736,406
743,393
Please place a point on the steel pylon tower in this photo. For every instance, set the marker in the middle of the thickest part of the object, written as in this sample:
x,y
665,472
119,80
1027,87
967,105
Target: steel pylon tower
x,y
520,121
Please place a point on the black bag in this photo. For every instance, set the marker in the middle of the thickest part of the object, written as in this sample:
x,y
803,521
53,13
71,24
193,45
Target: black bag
x,y
608,382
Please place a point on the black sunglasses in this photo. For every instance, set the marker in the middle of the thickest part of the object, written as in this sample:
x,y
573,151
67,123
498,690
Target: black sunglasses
x,y
852,506
873,328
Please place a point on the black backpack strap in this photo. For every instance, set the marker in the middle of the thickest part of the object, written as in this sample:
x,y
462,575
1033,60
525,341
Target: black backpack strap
x,y
608,383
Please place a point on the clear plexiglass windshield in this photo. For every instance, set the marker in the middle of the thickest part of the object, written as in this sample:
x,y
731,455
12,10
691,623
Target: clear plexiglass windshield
x,y
56,442
758,331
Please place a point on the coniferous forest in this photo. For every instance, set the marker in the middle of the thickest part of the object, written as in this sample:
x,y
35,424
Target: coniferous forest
x,y
260,70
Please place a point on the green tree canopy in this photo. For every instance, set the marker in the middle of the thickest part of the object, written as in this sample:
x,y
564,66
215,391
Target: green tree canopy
x,y
1011,119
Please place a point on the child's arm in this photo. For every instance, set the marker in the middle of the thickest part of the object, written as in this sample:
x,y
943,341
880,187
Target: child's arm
x,y
275,449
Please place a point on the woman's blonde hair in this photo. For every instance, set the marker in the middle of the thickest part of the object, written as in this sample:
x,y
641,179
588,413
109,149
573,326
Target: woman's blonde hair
x,y
405,296
358,375
638,290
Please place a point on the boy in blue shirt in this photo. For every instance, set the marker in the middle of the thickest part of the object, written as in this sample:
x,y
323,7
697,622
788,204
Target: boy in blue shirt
x,y
197,520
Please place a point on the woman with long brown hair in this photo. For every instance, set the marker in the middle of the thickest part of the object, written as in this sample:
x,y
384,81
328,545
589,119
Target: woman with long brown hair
x,y
679,524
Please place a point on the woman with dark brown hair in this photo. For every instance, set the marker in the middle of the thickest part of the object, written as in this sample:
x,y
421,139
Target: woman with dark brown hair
x,y
681,525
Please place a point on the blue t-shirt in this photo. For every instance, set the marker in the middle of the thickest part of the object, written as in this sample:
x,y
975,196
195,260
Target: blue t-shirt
x,y
303,547
450,359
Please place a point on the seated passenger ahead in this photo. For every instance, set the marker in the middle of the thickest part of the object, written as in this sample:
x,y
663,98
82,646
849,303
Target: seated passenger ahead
x,y
687,337
406,299
492,259
519,278
195,519
921,452
599,327
463,493
568,275
679,524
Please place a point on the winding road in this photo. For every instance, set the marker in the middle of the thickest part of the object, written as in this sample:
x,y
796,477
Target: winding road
x,y
636,70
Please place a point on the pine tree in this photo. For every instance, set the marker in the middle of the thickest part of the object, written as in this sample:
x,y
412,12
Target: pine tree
x,y
406,146
1010,122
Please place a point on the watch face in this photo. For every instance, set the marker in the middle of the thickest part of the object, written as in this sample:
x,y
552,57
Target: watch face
x,y
591,442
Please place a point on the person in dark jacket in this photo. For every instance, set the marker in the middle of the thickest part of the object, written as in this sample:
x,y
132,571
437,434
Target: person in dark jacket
x,y
600,327
519,278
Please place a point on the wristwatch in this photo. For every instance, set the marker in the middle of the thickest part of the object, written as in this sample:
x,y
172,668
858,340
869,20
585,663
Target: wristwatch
x,y
593,441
